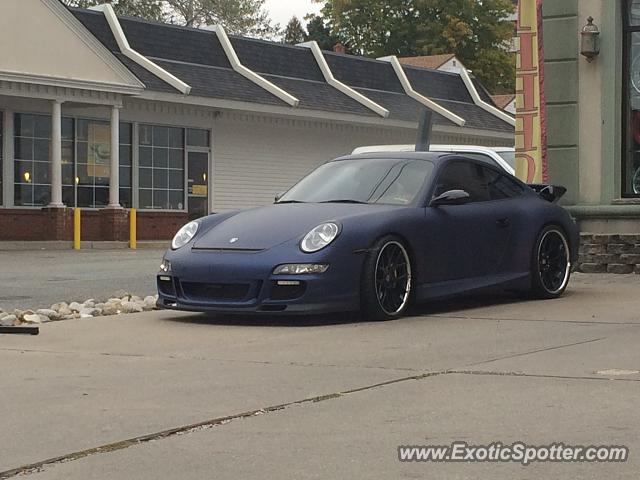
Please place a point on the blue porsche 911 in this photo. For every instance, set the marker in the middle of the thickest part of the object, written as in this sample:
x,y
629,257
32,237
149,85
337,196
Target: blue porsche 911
x,y
375,232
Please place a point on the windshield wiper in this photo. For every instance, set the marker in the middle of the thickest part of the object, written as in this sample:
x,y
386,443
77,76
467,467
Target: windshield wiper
x,y
346,200
289,201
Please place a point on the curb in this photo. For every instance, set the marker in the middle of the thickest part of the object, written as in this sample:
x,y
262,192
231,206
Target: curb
x,y
64,245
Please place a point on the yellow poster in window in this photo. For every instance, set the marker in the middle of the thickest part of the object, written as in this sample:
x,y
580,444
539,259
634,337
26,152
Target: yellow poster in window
x,y
199,190
99,150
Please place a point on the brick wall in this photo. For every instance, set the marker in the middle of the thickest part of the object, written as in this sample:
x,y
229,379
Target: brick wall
x,y
32,224
96,225
609,253
160,225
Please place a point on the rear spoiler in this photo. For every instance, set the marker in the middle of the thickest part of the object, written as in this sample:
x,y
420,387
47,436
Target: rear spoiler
x,y
551,193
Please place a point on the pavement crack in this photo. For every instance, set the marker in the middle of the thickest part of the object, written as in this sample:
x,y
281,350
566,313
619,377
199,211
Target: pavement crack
x,y
196,427
538,375
531,352
538,320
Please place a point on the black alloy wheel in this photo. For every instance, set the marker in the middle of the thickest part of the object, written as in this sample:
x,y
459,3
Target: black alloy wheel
x,y
552,266
387,280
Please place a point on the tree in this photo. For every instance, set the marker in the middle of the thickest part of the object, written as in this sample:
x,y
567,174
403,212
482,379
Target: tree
x,y
240,17
317,30
294,32
149,9
477,31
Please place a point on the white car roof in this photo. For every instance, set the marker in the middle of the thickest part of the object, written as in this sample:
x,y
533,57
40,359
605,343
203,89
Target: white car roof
x,y
488,151
432,148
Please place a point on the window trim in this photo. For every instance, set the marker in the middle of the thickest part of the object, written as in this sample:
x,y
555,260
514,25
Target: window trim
x,y
3,180
626,121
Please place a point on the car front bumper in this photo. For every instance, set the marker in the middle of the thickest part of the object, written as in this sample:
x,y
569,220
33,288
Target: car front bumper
x,y
243,282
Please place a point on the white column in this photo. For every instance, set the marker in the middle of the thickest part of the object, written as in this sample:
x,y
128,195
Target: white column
x,y
56,154
114,177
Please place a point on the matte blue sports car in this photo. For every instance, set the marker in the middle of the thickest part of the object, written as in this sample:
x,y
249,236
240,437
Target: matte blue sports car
x,y
375,232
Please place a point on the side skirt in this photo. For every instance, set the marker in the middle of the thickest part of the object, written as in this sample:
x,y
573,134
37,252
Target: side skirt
x,y
448,288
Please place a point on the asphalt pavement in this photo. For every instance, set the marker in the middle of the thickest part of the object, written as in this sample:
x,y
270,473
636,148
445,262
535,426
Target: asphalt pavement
x,y
190,396
40,278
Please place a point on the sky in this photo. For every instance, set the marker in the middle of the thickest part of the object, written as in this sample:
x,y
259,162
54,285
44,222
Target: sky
x,y
281,11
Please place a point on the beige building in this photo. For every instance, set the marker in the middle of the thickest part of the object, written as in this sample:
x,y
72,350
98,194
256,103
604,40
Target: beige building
x,y
109,114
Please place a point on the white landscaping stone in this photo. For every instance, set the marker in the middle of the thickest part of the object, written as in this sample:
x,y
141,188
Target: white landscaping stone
x,y
111,309
131,307
50,314
149,303
32,318
59,306
90,303
8,320
3,314
75,306
91,312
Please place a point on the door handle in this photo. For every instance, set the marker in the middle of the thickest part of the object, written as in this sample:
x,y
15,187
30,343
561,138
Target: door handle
x,y
503,222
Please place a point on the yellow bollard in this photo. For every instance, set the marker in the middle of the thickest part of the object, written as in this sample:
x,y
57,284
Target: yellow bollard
x,y
132,229
76,229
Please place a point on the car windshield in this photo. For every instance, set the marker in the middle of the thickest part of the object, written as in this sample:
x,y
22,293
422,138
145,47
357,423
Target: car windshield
x,y
386,181
509,156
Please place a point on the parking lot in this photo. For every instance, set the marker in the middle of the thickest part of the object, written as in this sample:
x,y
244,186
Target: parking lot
x,y
177,395
38,278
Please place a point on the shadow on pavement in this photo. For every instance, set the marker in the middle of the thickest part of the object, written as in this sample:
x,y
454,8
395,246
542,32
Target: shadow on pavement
x,y
269,320
437,307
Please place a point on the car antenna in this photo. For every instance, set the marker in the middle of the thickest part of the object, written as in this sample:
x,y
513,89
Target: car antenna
x,y
423,142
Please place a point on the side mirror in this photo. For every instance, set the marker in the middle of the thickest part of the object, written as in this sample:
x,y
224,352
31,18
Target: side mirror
x,y
278,196
451,197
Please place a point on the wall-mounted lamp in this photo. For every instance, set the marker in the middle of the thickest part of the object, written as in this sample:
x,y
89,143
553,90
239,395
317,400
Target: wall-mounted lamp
x,y
590,41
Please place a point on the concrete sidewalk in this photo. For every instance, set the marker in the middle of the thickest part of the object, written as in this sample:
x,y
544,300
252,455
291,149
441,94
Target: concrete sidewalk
x,y
174,395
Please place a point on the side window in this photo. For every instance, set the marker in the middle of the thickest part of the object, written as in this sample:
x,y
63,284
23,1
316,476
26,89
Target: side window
x,y
500,186
467,176
480,156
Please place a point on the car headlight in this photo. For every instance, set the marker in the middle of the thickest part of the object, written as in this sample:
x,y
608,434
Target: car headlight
x,y
184,235
319,237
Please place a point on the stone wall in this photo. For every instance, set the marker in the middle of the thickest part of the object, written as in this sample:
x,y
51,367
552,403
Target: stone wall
x,y
601,253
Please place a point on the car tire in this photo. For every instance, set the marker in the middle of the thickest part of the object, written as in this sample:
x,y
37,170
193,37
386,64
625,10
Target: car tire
x,y
386,282
550,263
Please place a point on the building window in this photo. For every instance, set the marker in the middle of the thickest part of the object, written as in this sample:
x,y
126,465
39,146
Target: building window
x,y
93,163
161,167
32,135
1,153
86,161
68,163
198,138
631,109
125,164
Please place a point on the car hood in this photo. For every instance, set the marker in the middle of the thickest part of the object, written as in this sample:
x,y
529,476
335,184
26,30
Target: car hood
x,y
265,227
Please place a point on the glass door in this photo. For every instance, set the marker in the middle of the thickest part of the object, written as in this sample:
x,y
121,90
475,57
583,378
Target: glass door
x,y
197,184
